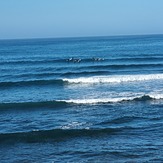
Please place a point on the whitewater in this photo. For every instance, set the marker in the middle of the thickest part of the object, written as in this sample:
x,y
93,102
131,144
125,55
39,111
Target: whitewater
x,y
114,79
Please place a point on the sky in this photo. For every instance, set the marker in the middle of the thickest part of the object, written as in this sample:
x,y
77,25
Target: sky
x,y
79,18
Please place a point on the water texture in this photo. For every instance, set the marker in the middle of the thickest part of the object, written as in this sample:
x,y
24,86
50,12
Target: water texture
x,y
97,99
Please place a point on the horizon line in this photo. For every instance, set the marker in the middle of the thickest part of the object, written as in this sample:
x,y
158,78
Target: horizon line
x,y
76,37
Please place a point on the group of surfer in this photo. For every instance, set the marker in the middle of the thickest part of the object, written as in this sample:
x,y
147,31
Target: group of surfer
x,y
97,59
78,60
73,60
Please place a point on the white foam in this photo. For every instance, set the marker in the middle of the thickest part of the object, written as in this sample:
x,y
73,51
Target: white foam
x,y
114,79
112,100
95,101
156,96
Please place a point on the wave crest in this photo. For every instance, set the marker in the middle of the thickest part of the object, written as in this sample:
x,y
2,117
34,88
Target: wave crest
x,y
113,79
57,104
114,100
55,134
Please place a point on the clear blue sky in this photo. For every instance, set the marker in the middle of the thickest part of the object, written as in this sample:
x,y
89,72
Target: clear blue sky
x,y
72,18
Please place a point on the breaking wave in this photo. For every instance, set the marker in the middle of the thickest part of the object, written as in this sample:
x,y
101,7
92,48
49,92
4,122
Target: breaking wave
x,y
114,100
110,79
114,79
64,103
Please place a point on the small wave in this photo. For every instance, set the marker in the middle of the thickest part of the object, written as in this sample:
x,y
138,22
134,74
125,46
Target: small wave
x,y
55,134
84,73
32,61
114,100
114,79
33,105
37,60
123,66
30,83
64,103
147,58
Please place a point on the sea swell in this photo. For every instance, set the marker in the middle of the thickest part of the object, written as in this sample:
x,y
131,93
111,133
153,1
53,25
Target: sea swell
x,y
114,79
110,79
55,135
114,100
32,105
31,83
39,60
64,103
124,66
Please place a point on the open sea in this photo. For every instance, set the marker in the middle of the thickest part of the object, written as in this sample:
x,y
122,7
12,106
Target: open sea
x,y
77,100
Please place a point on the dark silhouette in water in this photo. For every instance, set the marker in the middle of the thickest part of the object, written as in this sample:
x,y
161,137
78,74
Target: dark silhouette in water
x,y
77,60
97,59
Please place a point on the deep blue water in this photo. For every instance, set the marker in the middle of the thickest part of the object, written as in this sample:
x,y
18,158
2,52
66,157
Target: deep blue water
x,y
97,99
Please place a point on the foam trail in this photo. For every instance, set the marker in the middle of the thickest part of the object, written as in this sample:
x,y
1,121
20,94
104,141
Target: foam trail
x,y
114,79
93,101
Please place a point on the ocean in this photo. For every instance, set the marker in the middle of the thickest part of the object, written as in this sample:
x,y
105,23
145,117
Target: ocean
x,y
93,99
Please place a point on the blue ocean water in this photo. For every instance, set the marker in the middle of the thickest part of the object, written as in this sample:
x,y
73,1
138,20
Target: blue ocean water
x,y
96,99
